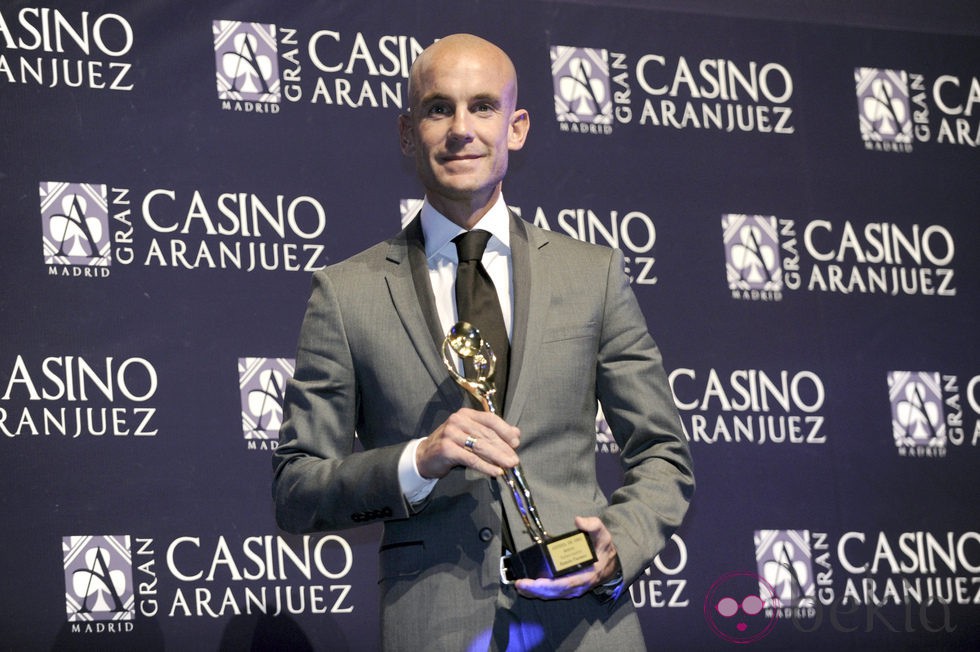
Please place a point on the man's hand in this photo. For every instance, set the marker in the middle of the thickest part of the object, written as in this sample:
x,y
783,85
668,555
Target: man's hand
x,y
576,584
479,440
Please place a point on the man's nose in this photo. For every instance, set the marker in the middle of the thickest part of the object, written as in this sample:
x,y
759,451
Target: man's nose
x,y
461,126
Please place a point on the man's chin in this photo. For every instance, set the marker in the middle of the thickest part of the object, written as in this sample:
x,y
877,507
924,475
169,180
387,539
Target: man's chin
x,y
472,196
463,190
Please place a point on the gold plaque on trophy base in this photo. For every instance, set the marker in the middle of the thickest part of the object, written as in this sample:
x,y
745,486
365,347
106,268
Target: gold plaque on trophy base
x,y
554,557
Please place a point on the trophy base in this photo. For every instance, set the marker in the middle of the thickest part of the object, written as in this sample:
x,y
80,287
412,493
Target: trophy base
x,y
554,557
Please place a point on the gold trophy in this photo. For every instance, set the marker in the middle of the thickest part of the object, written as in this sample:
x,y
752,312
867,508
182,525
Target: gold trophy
x,y
549,556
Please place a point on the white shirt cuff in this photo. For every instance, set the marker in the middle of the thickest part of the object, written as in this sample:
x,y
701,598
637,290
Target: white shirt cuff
x,y
414,487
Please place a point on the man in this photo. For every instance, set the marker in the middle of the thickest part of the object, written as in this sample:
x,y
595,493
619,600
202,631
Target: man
x,y
370,360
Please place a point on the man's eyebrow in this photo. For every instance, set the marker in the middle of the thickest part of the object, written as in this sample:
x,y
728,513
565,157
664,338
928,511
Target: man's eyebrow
x,y
433,97
487,97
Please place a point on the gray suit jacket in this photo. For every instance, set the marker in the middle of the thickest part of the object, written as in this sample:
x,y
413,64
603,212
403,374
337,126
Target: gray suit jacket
x,y
369,361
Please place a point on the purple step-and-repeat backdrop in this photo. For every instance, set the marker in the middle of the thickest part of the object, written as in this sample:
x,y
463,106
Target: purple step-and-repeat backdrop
x,y
797,203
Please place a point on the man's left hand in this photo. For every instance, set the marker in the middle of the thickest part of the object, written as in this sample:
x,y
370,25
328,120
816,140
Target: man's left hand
x,y
580,583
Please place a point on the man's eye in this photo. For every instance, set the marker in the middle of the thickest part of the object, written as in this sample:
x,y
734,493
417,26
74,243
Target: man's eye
x,y
438,109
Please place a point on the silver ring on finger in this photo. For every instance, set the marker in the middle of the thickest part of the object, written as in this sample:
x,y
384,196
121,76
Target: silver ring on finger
x,y
470,442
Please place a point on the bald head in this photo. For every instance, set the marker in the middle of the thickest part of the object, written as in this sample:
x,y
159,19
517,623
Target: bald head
x,y
461,124
452,48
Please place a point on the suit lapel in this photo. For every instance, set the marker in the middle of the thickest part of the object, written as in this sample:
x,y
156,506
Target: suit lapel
x,y
411,294
532,296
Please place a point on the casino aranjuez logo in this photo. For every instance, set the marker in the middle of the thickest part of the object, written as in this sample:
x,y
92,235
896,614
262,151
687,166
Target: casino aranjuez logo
x,y
90,229
74,397
599,89
583,89
50,48
768,257
751,407
75,228
247,66
898,109
259,67
928,413
99,591
262,384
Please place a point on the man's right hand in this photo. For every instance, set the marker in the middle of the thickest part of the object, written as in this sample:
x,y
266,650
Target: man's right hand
x,y
479,440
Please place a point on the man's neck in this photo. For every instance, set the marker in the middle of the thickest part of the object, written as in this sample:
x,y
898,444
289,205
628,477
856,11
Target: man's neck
x,y
465,213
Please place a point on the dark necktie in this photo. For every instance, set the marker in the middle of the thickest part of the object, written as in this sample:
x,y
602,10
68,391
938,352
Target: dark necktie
x,y
477,302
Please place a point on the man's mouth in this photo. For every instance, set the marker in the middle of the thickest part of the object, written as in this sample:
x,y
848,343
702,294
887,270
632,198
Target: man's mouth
x,y
461,157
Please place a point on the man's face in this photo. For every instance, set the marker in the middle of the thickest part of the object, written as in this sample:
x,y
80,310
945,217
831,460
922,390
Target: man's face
x,y
462,125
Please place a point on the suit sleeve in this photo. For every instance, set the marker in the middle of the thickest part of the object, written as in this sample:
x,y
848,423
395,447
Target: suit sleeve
x,y
320,482
632,386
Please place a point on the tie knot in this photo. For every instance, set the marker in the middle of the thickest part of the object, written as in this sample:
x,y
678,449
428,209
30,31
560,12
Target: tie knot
x,y
471,245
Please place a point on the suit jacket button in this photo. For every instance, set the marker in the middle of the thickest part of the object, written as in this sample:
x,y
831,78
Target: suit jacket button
x,y
486,535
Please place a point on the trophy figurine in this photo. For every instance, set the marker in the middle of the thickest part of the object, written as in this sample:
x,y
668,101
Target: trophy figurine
x,y
549,556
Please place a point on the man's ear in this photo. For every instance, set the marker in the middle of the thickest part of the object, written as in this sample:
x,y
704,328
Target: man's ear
x,y
406,134
520,124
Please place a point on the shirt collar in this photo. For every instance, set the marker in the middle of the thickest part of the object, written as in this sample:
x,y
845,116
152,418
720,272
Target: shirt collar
x,y
439,231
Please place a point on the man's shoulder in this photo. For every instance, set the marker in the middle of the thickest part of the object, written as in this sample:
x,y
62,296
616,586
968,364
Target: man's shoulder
x,y
369,260
565,245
